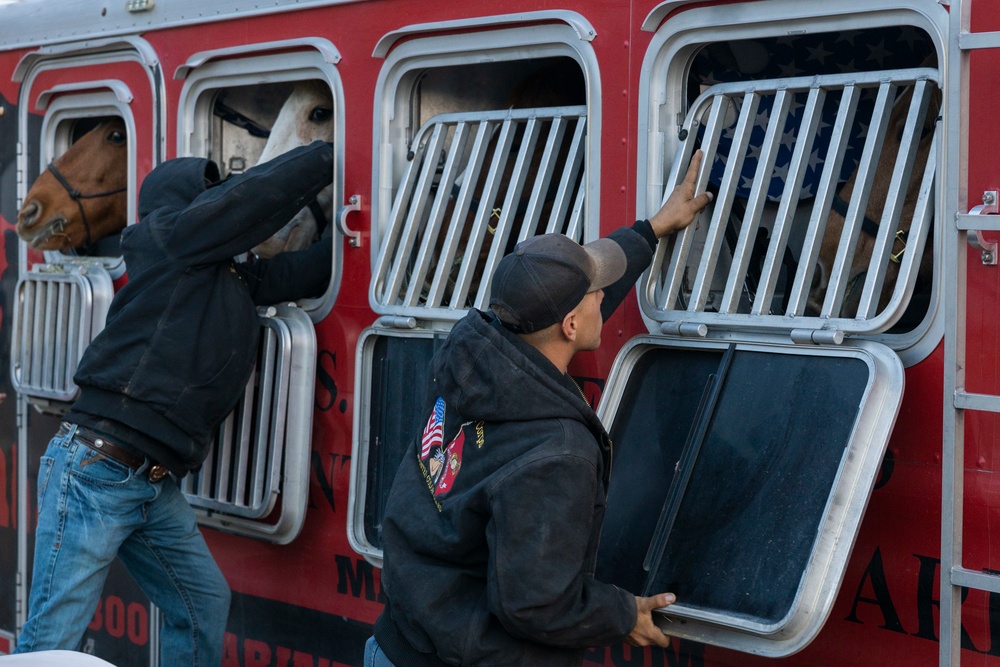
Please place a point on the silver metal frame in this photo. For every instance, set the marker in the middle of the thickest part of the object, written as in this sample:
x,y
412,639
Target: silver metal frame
x,y
55,142
845,506
97,50
396,235
362,438
113,97
410,277
954,575
58,310
261,451
509,38
698,260
678,35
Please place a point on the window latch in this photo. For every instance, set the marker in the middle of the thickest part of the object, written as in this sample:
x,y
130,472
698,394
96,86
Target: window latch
x,y
987,249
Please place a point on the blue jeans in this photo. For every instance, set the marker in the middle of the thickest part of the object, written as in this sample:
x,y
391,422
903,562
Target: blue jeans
x,y
374,657
90,509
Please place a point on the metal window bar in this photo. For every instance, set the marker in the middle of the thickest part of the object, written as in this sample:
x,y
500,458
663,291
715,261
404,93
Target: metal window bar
x,y
242,473
702,277
58,311
476,184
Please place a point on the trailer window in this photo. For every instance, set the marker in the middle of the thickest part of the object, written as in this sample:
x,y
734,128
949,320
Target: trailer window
x,y
62,303
240,107
822,151
477,182
482,138
741,471
750,434
239,111
396,384
92,137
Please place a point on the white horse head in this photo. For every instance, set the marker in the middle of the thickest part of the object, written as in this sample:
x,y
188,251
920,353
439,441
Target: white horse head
x,y
306,116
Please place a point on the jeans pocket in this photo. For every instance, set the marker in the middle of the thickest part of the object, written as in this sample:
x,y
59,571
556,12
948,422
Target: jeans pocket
x,y
95,468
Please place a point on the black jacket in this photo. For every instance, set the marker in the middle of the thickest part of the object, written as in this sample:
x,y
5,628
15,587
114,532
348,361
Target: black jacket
x,y
490,532
181,336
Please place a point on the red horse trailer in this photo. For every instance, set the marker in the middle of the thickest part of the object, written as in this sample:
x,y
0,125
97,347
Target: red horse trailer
x,y
801,390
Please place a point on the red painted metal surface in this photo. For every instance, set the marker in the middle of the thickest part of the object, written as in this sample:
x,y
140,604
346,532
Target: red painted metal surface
x,y
886,612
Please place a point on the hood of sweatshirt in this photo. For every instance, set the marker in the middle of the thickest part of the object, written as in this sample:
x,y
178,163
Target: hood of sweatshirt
x,y
487,373
174,184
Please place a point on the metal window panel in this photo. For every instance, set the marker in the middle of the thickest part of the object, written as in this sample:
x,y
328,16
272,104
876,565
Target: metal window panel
x,y
759,469
786,209
390,379
58,310
476,183
701,276
261,450
824,200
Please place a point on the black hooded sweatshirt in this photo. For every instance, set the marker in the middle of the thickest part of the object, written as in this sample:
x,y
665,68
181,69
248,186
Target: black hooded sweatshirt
x,y
181,336
492,523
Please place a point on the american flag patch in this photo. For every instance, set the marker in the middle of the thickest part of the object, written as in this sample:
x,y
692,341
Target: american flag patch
x,y
434,431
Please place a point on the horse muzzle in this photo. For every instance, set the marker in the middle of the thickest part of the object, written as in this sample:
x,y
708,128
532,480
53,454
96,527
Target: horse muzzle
x,y
48,235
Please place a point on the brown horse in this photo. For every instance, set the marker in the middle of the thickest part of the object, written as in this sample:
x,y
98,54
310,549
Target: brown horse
x,y
861,264
82,196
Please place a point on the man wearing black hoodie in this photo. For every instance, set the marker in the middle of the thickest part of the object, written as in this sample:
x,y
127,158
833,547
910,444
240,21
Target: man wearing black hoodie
x,y
174,357
491,528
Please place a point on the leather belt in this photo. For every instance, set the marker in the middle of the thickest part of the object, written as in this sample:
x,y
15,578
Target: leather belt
x,y
102,445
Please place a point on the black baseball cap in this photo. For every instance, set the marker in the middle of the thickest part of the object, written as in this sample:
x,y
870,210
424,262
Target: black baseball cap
x,y
546,276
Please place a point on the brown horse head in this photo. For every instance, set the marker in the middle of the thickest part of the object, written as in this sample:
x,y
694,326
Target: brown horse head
x,y
82,197
873,213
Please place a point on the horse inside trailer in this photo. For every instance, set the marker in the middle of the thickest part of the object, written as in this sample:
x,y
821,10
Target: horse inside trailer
x,y
799,143
78,204
767,437
840,168
493,153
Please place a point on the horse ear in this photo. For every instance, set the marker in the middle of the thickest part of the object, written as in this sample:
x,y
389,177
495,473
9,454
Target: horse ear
x,y
212,174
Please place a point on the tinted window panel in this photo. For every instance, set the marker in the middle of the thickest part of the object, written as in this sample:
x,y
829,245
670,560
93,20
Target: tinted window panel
x,y
744,526
658,408
399,381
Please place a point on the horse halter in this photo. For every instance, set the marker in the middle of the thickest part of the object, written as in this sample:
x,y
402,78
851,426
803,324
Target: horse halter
x,y
76,196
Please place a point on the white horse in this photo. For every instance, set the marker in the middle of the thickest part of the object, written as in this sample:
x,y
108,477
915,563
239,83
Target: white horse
x,y
306,116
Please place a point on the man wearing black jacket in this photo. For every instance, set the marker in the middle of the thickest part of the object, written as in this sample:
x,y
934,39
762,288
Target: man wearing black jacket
x,y
491,528
174,357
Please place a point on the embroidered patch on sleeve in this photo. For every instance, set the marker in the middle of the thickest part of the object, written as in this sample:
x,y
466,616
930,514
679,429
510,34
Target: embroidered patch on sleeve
x,y
440,462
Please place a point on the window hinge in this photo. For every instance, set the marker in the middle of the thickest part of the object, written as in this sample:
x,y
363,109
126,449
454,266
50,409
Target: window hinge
x,y
686,329
398,322
817,336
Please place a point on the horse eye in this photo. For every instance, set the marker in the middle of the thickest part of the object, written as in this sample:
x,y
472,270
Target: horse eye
x,y
117,137
320,115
